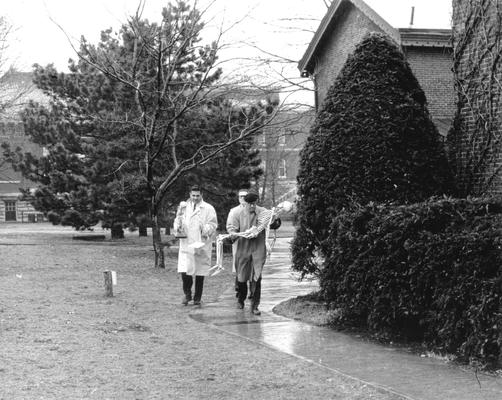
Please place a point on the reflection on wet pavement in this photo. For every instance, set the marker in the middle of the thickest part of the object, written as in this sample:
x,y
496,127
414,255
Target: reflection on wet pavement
x,y
383,366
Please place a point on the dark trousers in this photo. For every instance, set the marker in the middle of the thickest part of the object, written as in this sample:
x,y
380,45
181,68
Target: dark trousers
x,y
187,286
255,288
237,289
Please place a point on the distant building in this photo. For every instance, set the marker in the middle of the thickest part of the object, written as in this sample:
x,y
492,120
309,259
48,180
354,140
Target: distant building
x,y
16,88
428,51
280,145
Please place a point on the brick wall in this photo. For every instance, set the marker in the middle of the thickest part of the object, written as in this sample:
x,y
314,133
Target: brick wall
x,y
24,210
476,143
346,32
432,68
279,156
13,134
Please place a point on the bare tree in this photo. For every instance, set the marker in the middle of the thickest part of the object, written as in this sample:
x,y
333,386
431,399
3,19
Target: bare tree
x,y
169,75
5,32
269,67
278,66
14,86
12,93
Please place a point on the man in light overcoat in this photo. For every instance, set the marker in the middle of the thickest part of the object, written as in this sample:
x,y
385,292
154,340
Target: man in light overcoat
x,y
198,221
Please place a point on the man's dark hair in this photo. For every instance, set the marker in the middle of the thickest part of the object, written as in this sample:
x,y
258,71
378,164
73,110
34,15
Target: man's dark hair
x,y
195,188
251,197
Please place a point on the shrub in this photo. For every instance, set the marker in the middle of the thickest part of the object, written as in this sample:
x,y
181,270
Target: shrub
x,y
54,218
430,271
373,140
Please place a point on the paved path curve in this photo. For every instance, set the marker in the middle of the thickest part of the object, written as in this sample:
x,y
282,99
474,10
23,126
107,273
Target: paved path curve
x,y
393,370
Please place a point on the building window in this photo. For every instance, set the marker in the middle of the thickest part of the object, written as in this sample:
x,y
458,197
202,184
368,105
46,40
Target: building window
x,y
282,139
10,210
11,129
19,129
282,169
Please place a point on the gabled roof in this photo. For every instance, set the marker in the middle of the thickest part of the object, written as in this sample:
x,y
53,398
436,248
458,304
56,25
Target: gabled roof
x,y
406,37
335,10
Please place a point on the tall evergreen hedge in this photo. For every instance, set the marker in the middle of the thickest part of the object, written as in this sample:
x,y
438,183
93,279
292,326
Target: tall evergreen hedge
x,y
429,272
373,140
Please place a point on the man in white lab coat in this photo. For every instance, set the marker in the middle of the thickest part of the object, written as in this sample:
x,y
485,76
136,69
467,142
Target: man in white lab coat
x,y
198,220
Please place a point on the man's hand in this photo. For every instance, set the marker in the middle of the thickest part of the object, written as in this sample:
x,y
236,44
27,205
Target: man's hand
x,y
233,236
251,233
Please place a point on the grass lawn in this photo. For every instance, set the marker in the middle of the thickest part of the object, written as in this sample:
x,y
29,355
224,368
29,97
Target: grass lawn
x,y
61,338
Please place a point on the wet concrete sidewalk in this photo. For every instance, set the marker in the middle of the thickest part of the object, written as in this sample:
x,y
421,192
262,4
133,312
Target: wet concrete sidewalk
x,y
385,367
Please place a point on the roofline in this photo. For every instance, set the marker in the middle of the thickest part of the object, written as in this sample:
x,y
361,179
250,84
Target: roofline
x,y
314,44
411,37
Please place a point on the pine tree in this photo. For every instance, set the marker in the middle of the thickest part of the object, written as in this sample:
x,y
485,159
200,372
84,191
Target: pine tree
x,y
120,130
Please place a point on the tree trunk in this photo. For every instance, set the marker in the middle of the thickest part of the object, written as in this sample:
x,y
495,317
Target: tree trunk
x,y
142,222
158,246
169,224
264,187
273,192
117,231
143,230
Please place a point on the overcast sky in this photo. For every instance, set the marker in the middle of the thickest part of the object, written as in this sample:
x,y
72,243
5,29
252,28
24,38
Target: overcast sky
x,y
282,27
38,39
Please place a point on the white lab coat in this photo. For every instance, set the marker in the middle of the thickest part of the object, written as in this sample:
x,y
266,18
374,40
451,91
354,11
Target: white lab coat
x,y
200,226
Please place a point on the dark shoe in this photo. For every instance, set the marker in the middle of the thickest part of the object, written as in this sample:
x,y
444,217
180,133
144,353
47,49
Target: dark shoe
x,y
255,311
185,300
240,305
196,302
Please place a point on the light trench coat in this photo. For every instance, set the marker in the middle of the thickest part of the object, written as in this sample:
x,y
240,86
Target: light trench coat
x,y
232,214
200,226
249,254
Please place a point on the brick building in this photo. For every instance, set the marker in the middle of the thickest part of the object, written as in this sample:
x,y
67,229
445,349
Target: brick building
x,y
16,88
476,141
280,145
428,51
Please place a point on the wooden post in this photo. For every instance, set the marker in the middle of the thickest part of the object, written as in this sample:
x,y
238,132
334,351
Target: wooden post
x,y
108,283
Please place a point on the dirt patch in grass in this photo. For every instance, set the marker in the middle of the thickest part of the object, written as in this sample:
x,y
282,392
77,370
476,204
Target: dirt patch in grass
x,y
309,308
61,338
